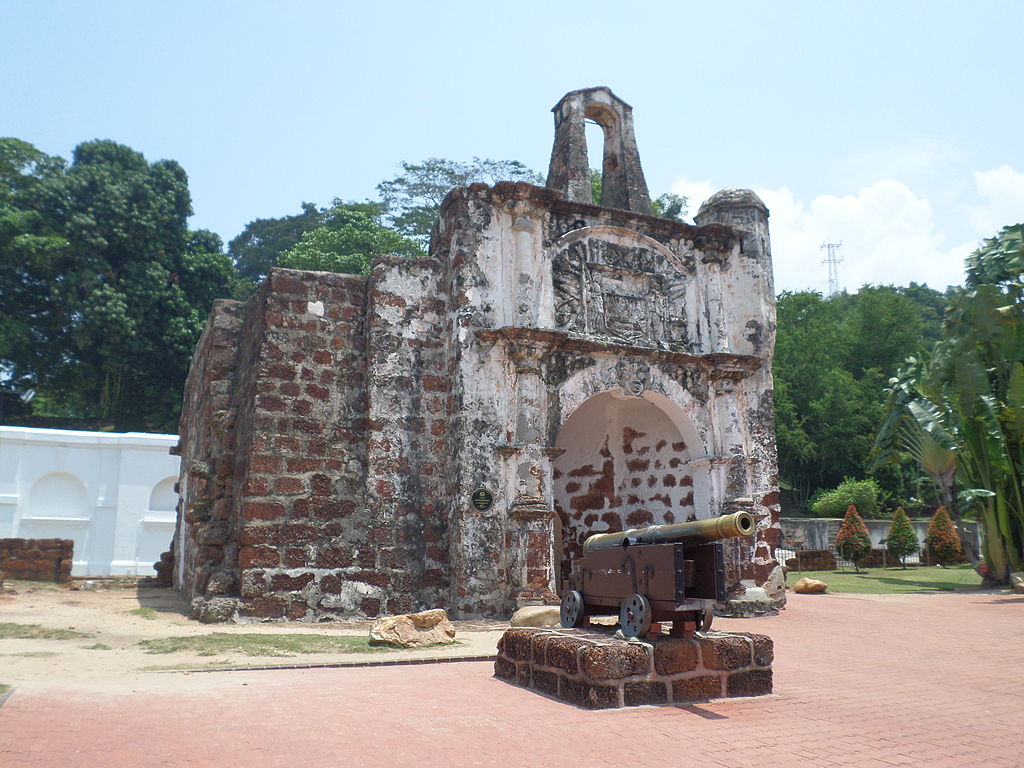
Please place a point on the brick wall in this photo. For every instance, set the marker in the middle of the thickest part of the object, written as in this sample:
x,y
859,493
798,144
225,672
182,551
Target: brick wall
x,y
37,559
313,474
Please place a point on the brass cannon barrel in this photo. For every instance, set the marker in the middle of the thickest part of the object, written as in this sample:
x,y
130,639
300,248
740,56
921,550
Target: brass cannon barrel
x,y
712,529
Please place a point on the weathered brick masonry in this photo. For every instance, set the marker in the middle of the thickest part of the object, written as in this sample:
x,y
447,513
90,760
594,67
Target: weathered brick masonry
x,y
591,367
37,559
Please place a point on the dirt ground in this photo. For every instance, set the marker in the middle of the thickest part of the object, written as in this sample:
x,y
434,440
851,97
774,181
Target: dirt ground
x,y
105,613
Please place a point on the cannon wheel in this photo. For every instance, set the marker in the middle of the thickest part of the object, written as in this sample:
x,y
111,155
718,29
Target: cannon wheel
x,y
704,619
571,612
635,615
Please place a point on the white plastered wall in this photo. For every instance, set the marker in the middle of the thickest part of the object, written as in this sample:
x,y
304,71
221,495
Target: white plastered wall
x,y
111,493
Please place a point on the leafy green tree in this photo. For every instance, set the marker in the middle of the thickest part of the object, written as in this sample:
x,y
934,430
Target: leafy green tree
x,y
414,197
262,242
351,236
105,290
942,540
862,494
596,185
832,358
853,541
901,540
670,206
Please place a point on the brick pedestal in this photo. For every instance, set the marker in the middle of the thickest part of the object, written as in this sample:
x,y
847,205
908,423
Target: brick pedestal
x,y
598,671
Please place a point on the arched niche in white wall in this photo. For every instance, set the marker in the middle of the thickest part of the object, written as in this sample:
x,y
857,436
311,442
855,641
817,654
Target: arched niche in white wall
x,y
157,526
59,508
163,498
59,495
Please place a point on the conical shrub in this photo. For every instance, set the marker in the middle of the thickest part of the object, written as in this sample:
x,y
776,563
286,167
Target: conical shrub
x,y
853,541
901,539
942,540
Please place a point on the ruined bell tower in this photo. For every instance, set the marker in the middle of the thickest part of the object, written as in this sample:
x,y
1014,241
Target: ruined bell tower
x,y
622,179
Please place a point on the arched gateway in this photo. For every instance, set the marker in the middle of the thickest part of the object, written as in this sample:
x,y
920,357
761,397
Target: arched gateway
x,y
626,461
445,431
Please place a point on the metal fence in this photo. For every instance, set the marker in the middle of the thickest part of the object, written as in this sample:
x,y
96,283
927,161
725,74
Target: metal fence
x,y
782,554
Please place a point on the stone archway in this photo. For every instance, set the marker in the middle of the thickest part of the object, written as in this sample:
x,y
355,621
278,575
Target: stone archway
x,y
625,462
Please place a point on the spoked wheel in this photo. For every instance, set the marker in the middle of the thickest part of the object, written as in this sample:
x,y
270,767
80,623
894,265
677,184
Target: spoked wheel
x,y
571,611
635,616
704,619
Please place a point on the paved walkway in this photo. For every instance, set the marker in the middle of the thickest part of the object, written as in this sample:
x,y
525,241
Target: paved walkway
x,y
929,680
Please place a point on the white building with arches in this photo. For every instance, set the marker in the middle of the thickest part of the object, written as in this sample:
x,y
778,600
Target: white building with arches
x,y
111,493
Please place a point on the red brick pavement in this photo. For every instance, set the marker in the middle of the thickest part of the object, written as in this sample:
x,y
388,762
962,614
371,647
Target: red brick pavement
x,y
929,680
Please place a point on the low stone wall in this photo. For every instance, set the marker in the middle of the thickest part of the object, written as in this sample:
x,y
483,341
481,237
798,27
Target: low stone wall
x,y
812,560
599,671
37,559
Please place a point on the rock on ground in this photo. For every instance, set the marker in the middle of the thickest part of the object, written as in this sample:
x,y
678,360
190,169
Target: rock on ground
x,y
809,586
1016,582
537,616
414,630
775,586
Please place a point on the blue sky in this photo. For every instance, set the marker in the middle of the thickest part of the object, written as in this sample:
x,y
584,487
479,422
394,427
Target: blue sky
x,y
894,127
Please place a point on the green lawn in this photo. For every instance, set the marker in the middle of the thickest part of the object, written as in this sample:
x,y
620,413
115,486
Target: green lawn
x,y
886,581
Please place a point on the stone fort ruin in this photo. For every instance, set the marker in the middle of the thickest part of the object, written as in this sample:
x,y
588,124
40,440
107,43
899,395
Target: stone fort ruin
x,y
446,431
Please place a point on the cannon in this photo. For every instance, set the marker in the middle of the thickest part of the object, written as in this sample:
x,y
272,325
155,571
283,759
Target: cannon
x,y
660,573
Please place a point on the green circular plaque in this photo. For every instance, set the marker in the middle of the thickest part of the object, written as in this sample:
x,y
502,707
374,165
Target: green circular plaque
x,y
482,499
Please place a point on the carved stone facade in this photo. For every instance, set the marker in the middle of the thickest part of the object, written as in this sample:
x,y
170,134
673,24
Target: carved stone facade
x,y
590,367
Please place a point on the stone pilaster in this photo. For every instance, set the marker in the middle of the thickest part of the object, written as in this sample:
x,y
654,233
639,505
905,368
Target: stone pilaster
x,y
530,531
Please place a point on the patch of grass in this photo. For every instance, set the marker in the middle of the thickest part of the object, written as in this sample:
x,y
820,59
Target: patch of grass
x,y
260,645
30,586
98,647
4,688
31,654
145,612
186,667
13,631
892,581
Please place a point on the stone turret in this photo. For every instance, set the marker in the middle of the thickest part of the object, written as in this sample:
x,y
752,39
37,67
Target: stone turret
x,y
748,293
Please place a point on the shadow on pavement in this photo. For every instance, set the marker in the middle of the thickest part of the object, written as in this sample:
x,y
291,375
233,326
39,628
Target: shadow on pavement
x,y
161,599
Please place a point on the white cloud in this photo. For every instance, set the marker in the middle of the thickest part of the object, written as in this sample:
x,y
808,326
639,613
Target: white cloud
x,y
888,236
695,191
1002,192
890,233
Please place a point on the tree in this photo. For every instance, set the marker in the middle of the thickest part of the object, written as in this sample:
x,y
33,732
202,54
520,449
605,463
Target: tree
x,y
862,494
832,358
901,540
670,206
105,290
262,242
413,198
942,540
351,236
853,541
964,401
